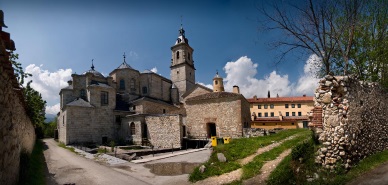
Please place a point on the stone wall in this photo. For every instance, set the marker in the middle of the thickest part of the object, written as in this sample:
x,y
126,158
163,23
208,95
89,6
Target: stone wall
x,y
16,130
354,120
164,131
254,132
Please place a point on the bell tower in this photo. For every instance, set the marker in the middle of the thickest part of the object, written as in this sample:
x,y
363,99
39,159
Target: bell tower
x,y
182,64
218,84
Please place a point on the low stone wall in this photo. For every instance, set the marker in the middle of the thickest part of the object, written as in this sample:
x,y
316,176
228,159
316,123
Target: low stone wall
x,y
164,131
254,132
354,120
17,133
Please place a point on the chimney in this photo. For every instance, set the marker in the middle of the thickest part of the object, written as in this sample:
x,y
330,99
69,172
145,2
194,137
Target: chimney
x,y
304,95
255,97
70,82
236,89
269,94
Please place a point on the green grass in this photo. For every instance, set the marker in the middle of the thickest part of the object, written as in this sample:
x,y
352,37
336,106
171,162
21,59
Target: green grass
x,y
32,166
253,168
285,173
66,147
237,149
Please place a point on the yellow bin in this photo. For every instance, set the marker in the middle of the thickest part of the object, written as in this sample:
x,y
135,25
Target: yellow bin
x,y
214,140
226,140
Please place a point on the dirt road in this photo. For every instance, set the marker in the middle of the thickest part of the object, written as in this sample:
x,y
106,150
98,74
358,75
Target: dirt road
x,y
69,168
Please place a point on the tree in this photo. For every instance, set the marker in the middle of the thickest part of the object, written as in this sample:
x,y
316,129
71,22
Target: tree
x,y
35,104
350,36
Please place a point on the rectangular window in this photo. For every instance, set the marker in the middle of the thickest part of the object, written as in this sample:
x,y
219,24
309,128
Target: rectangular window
x,y
292,105
299,105
299,113
259,106
266,114
145,90
104,98
293,113
287,114
286,105
271,106
272,114
266,106
259,114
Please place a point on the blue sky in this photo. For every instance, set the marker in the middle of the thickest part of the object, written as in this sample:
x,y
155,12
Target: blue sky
x,y
57,38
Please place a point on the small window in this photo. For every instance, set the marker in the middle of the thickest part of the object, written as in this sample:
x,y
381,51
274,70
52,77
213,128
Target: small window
x,y
83,94
271,106
286,105
287,114
299,113
216,82
259,106
133,128
177,55
122,84
266,114
299,105
293,113
177,72
134,107
292,123
188,54
272,114
145,90
259,114
164,111
263,123
292,105
104,98
266,106
133,85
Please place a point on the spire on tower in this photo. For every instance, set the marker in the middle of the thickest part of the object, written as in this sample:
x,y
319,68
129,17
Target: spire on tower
x,y
124,56
92,64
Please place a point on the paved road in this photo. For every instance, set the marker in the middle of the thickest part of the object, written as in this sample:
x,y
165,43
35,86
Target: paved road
x,y
68,167
376,176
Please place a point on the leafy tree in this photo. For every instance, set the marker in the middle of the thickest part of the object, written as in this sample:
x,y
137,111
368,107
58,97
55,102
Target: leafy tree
x,y
35,104
49,128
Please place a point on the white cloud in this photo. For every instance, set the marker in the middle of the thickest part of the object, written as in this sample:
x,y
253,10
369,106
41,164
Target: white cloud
x,y
242,73
308,82
48,83
52,109
210,86
155,70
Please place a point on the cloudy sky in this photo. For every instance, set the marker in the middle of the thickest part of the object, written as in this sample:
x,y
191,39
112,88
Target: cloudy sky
x,y
55,39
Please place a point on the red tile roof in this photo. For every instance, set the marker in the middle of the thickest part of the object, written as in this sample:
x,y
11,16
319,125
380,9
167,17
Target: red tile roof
x,y
282,99
276,119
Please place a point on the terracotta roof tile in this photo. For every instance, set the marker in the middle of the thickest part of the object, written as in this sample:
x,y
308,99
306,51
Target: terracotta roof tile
x,y
282,99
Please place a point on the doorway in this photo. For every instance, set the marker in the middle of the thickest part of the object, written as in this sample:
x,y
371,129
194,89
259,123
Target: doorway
x,y
211,129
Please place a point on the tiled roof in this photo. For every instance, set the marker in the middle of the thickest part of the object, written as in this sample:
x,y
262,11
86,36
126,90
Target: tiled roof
x,y
214,95
79,102
277,119
124,65
282,99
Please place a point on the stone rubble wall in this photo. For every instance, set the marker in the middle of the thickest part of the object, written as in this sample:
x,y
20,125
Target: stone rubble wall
x,y
164,131
354,120
253,132
17,134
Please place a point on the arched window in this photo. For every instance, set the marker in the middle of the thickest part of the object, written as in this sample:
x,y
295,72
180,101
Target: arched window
x,y
177,55
83,94
122,84
133,128
132,85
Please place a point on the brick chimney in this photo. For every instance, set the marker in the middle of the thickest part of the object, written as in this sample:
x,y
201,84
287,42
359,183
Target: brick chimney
x,y
236,89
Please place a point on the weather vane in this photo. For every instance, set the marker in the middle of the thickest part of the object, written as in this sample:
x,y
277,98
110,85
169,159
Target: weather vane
x,y
124,56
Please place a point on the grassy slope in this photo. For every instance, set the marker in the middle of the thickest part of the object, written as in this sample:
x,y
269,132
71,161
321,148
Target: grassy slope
x,y
32,166
237,149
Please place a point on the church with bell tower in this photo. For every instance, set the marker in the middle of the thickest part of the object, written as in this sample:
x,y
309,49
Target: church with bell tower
x,y
182,64
146,108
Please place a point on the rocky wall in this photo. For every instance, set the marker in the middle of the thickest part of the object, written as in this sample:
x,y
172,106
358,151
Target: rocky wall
x,y
354,120
17,133
164,131
253,132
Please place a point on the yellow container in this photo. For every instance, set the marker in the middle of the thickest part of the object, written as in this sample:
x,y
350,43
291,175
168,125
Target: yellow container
x,y
226,140
214,140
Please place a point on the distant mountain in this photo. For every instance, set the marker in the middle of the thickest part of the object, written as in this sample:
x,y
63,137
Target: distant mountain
x,y
49,117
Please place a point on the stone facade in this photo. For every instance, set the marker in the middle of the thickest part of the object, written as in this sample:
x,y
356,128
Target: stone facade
x,y
229,112
16,130
354,124
165,131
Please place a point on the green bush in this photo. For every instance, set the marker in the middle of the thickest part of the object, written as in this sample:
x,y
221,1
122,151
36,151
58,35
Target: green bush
x,y
302,151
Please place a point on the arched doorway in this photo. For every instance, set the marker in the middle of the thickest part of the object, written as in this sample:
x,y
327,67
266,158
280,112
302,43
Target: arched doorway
x,y
211,129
